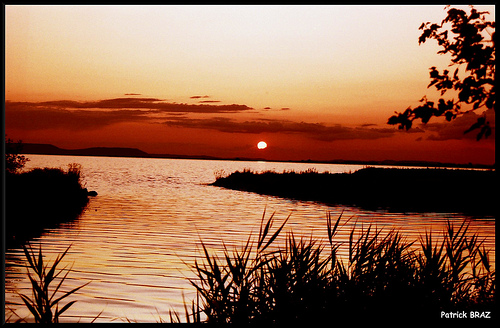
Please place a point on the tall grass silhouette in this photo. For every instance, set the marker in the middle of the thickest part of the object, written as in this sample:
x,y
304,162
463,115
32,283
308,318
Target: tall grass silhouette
x,y
44,302
378,275
305,281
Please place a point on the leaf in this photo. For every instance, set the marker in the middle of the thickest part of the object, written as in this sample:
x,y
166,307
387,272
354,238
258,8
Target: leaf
x,y
477,125
30,257
434,73
37,290
58,286
473,14
434,27
424,112
31,308
276,233
485,131
64,308
69,293
49,278
393,120
261,224
351,246
332,231
488,131
408,124
266,230
40,261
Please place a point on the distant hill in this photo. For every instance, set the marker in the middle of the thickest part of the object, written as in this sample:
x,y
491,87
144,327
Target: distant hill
x,y
47,149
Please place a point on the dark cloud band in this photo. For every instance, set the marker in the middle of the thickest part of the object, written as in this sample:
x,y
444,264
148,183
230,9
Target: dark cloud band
x,y
153,104
69,114
317,131
77,115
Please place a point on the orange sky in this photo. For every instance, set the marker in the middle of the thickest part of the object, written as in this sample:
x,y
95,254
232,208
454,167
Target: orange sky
x,y
314,82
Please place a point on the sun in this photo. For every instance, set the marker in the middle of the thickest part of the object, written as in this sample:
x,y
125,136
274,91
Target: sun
x,y
262,145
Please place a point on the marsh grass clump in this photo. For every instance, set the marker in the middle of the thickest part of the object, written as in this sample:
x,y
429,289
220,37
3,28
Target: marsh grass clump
x,y
41,198
44,303
383,277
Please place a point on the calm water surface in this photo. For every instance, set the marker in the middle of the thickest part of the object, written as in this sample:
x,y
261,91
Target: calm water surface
x,y
136,240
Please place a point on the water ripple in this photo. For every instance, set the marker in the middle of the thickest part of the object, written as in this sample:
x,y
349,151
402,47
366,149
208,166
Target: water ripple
x,y
137,239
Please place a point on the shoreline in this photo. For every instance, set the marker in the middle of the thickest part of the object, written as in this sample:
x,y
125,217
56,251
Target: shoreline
x,y
48,149
396,190
40,199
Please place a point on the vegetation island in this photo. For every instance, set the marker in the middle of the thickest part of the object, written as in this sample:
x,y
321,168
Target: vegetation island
x,y
40,198
403,190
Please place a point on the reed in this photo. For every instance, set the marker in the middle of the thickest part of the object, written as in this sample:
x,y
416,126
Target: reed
x,y
44,302
384,276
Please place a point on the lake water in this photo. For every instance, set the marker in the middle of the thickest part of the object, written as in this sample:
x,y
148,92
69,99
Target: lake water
x,y
136,240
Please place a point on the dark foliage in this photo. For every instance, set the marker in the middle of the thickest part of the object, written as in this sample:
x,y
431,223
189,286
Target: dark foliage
x,y
14,161
42,198
402,190
469,39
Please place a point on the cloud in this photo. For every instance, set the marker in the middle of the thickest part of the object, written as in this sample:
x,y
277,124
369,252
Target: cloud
x,y
88,115
106,103
132,94
198,97
454,130
153,104
70,114
43,118
317,131
209,101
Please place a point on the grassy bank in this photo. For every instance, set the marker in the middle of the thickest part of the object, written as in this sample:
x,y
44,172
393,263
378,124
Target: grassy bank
x,y
425,190
42,198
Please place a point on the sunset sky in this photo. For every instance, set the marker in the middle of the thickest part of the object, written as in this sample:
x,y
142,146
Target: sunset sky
x,y
314,82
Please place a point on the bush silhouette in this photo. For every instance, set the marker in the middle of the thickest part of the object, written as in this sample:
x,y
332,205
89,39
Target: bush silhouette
x,y
42,198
